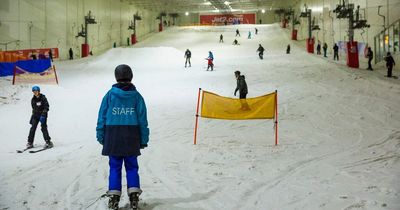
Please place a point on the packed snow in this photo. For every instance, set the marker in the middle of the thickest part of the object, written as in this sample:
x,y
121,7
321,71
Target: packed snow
x,y
339,130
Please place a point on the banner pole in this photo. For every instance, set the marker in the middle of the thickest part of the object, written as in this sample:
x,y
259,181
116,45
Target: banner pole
x,y
276,117
54,68
14,75
197,117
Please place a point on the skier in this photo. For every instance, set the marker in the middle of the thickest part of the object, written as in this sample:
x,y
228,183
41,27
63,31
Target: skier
x,y
241,85
122,130
325,48
40,108
389,64
256,31
249,35
188,55
260,51
235,42
221,38
336,52
288,49
237,32
319,48
71,54
370,56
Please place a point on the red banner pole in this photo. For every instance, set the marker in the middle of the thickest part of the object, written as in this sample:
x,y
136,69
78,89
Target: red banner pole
x,y
276,117
197,117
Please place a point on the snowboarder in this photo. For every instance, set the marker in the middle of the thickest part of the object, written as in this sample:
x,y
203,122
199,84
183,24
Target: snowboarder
x,y
389,64
71,54
249,35
221,38
319,48
237,32
241,85
288,49
122,130
40,108
336,52
188,55
260,51
235,42
370,56
325,48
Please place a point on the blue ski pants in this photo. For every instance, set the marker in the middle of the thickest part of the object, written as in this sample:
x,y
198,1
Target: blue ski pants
x,y
132,175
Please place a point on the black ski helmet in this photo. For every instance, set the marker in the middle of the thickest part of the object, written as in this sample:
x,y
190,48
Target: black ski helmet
x,y
123,73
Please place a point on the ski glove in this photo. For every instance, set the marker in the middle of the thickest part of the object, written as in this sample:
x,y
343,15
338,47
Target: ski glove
x,y
142,146
42,119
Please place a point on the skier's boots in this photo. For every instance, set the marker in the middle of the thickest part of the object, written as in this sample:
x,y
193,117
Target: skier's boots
x,y
48,144
134,199
113,202
29,145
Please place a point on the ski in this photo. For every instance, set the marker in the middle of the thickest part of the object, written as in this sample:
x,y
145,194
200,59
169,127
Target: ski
x,y
39,150
21,151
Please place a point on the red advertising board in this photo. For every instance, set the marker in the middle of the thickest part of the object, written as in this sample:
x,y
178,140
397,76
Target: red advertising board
x,y
224,19
28,52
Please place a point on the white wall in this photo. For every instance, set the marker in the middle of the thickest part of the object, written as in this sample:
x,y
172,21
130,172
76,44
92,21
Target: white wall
x,y
337,30
55,23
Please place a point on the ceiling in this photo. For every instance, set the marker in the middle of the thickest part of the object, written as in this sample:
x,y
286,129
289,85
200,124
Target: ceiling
x,y
206,6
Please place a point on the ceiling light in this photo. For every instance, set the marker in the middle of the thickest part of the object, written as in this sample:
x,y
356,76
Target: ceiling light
x,y
226,3
186,13
263,10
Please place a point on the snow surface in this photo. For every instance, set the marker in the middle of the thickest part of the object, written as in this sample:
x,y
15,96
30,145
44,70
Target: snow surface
x,y
339,130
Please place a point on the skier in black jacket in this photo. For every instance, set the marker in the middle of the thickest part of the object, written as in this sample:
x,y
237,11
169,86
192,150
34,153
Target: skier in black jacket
x,y
260,51
241,85
40,107
389,64
188,55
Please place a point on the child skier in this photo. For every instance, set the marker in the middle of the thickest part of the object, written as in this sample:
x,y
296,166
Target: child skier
x,y
122,130
40,108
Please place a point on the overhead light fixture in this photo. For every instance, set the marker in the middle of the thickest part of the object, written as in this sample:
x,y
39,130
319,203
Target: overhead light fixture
x,y
186,13
263,10
226,2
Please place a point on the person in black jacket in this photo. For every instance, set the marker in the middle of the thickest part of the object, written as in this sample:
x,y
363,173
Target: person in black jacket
x,y
389,64
370,56
71,54
260,51
319,48
40,107
221,38
188,55
335,52
241,85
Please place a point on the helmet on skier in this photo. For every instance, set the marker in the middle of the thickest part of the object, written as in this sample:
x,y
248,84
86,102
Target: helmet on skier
x,y
123,73
35,88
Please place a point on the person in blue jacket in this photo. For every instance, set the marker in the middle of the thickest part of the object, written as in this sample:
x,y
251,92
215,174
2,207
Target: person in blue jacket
x,y
122,130
210,55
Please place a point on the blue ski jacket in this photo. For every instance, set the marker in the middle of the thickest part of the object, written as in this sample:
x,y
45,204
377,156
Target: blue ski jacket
x,y
122,121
